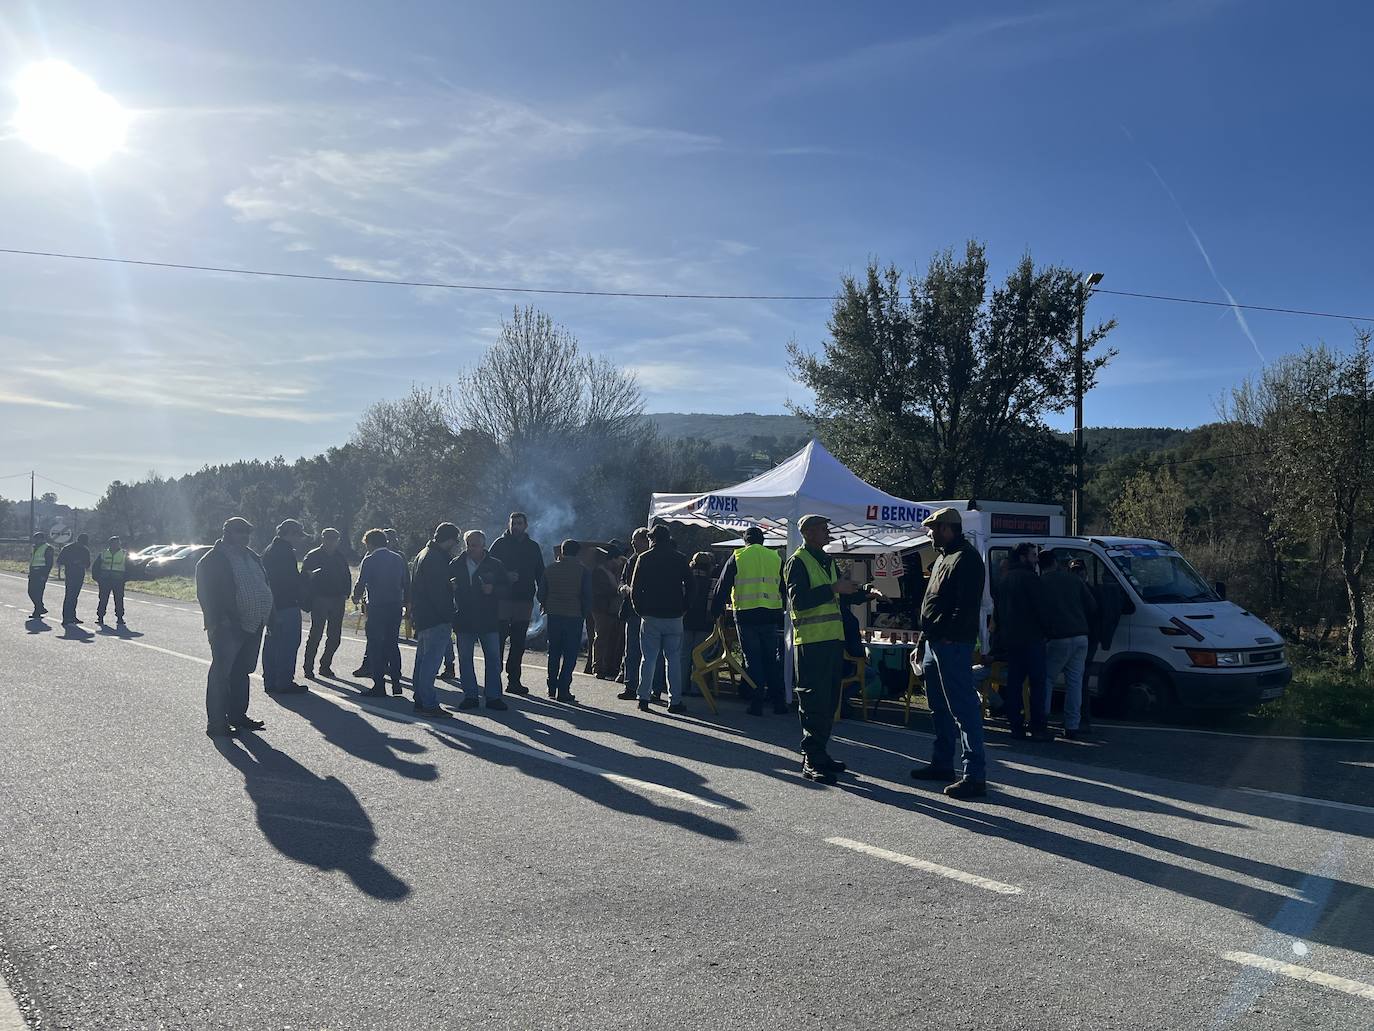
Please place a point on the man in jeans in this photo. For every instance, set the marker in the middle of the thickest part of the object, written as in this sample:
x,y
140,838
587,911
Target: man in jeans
x,y
283,639
384,580
328,581
565,595
756,594
1019,631
432,614
658,592
1070,610
949,628
480,583
524,562
232,588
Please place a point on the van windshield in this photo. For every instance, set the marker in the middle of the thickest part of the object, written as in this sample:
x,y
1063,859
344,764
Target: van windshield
x,y
1163,578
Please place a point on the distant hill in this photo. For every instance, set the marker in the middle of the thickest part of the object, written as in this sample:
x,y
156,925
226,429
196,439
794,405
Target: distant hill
x,y
735,430
1105,444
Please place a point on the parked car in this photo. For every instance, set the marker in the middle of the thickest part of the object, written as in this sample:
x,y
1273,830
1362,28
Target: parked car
x,y
179,562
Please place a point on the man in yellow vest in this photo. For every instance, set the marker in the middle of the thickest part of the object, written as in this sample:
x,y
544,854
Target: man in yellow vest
x,y
108,572
40,568
814,591
752,584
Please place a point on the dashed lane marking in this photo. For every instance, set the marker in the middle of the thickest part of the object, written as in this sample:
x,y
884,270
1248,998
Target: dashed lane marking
x,y
1277,966
450,730
949,872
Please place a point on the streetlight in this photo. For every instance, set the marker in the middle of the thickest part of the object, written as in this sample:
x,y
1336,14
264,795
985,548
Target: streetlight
x,y
1085,287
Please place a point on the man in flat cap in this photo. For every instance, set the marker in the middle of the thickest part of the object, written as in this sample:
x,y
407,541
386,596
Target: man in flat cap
x,y
814,591
232,588
950,615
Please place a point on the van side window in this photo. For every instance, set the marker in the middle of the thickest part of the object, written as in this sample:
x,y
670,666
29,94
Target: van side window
x,y
998,560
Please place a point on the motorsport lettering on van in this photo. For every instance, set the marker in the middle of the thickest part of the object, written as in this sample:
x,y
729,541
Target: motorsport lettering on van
x,y
896,513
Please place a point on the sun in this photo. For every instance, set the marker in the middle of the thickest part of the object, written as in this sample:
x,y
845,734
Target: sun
x,y
64,113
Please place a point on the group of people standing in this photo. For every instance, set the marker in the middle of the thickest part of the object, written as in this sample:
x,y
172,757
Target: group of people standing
x,y
108,568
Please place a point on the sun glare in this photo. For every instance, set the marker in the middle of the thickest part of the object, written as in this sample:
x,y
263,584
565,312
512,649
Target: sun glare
x,y
64,113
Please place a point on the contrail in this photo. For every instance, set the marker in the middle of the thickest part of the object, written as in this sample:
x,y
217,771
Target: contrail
x,y
1197,240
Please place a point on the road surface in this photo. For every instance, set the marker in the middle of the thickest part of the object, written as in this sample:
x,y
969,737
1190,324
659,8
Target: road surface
x,y
590,866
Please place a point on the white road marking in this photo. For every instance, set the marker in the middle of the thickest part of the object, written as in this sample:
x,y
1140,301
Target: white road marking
x,y
928,867
1277,966
1349,807
10,1017
486,739
1233,733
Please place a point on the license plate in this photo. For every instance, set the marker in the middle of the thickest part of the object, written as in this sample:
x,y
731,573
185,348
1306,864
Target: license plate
x,y
1270,692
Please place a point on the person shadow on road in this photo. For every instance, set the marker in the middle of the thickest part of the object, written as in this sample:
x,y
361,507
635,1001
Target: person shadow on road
x,y
311,819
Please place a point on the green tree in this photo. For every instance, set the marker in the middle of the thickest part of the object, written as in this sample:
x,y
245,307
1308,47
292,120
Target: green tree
x,y
1151,504
941,389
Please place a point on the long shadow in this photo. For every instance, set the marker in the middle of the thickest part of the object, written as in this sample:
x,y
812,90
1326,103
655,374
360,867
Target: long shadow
x,y
595,789
347,730
122,632
77,634
37,625
1333,912
310,819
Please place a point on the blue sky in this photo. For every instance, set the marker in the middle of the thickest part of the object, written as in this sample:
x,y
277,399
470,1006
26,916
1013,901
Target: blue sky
x,y
710,147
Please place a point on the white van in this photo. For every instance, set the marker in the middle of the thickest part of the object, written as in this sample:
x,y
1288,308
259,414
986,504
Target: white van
x,y
1179,642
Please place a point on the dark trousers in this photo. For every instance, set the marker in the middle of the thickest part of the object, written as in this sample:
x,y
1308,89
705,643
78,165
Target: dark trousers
x,y
280,648
383,643
326,620
110,587
565,641
817,691
609,645
1026,660
233,657
762,647
513,634
69,597
38,583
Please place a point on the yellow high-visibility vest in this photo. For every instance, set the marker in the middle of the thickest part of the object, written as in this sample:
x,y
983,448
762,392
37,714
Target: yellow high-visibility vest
x,y
40,558
113,561
757,571
823,622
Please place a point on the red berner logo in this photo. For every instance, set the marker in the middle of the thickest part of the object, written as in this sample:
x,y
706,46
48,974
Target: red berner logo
x,y
872,511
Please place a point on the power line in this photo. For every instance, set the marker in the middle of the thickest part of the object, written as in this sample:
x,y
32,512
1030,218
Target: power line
x,y
565,292
68,486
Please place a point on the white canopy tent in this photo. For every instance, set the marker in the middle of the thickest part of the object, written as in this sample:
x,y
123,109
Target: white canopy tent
x,y
812,480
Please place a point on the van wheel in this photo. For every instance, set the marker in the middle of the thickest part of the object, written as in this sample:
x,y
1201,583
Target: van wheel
x,y
1145,694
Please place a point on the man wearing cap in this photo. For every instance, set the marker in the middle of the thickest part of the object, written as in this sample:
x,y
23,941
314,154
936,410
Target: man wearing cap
x,y
283,639
814,590
109,573
752,584
328,581
950,615
236,600
41,559
75,559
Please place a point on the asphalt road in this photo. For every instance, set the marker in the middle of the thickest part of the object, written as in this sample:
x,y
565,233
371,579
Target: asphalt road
x,y
593,867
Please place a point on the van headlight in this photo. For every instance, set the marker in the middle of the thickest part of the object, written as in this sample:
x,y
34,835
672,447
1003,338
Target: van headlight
x,y
1213,660
1230,659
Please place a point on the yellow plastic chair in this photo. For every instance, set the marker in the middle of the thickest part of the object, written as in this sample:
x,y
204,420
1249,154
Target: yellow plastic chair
x,y
860,667
705,670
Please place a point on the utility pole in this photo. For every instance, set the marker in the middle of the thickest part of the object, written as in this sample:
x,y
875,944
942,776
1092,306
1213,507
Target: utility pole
x,y
32,527
1085,286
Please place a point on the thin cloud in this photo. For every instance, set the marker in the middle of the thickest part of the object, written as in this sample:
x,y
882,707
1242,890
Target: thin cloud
x,y
8,398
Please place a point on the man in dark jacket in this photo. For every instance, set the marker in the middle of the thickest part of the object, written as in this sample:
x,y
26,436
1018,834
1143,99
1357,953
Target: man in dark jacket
x,y
74,559
1019,628
950,618
236,600
565,594
283,638
432,614
41,558
328,582
524,562
1070,612
480,583
659,588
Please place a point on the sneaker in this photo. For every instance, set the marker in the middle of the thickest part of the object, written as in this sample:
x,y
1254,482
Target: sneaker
x,y
247,723
677,709
644,707
965,788
517,688
627,695
497,704
816,773
361,671
931,773
468,704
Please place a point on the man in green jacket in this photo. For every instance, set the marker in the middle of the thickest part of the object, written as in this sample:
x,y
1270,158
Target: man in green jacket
x,y
950,615
814,591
